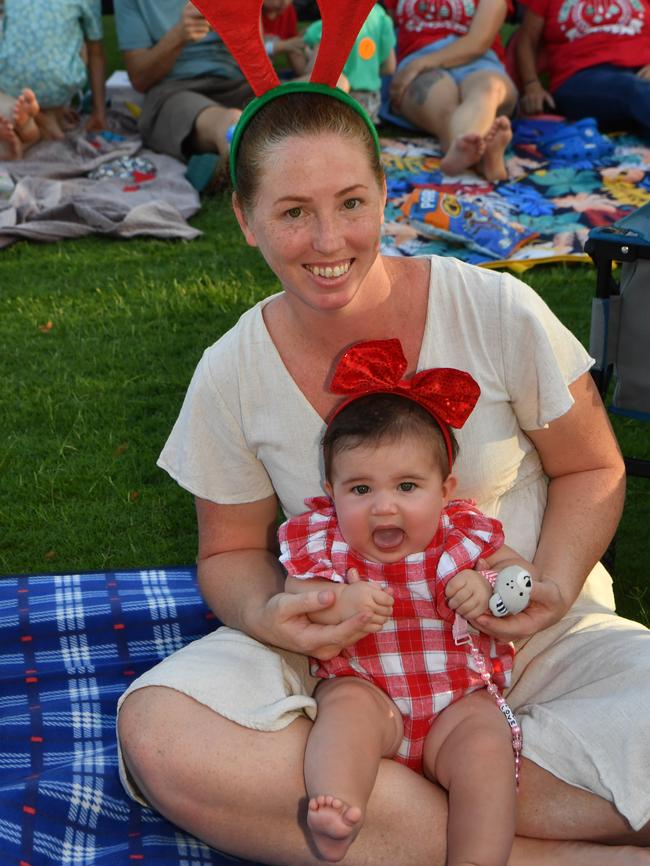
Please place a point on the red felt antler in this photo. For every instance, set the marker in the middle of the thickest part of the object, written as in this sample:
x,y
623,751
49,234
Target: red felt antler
x,y
238,23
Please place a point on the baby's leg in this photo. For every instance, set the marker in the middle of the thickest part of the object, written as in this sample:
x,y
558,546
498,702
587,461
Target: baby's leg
x,y
356,726
469,752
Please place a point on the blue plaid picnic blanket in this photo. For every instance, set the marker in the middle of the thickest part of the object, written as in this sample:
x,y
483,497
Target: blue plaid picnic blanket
x,y
69,646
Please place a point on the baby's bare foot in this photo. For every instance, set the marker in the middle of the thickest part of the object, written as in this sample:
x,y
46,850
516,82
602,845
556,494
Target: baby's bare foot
x,y
11,147
334,825
497,138
464,151
26,108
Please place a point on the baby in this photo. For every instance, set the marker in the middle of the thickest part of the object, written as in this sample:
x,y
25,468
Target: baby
x,y
420,687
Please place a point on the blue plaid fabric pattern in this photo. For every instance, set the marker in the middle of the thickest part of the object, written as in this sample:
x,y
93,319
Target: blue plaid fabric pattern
x,y
69,646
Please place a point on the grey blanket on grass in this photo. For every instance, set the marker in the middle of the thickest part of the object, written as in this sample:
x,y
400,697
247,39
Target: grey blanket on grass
x,y
49,196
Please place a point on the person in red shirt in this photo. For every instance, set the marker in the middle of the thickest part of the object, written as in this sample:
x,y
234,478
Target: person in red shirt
x,y
451,80
598,59
280,31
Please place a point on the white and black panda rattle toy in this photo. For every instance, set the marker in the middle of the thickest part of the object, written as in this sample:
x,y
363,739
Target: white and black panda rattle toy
x,y
512,588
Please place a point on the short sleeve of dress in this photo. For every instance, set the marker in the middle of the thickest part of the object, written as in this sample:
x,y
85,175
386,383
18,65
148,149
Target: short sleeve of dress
x,y
207,452
306,543
92,20
541,356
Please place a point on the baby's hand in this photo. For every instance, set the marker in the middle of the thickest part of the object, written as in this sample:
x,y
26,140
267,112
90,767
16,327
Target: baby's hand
x,y
361,596
468,593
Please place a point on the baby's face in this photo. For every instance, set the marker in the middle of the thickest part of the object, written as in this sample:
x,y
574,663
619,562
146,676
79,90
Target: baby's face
x,y
389,497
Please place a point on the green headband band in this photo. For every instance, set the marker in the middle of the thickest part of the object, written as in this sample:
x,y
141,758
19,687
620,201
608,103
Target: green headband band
x,y
293,87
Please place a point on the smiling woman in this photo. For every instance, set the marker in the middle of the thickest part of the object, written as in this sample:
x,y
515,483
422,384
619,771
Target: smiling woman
x,y
230,713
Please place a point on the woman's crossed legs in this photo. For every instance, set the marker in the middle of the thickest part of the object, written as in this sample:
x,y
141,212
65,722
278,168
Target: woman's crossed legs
x,y
464,118
242,791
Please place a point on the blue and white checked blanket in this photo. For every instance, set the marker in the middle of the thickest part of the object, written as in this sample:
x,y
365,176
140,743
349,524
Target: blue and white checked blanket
x,y
69,646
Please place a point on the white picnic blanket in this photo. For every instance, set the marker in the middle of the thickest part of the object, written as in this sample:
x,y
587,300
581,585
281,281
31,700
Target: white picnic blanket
x,y
48,195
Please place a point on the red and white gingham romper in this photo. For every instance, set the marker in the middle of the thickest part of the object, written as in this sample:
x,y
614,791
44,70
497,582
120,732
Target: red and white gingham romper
x,y
414,659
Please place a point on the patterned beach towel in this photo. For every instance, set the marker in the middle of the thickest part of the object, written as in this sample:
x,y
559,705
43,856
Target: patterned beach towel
x,y
69,646
564,179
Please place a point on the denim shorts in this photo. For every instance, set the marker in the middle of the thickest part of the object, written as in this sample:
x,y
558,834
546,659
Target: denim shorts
x,y
486,62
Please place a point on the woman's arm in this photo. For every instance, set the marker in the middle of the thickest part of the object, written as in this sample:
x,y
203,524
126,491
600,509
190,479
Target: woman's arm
x,y
586,493
242,582
483,30
528,40
147,66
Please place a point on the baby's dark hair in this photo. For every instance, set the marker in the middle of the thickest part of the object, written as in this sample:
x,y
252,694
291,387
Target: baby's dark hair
x,y
379,418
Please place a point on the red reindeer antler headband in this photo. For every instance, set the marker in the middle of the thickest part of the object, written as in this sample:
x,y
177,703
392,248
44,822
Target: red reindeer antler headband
x,y
378,367
238,24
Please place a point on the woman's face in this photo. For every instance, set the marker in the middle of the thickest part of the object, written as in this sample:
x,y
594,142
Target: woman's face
x,y
317,219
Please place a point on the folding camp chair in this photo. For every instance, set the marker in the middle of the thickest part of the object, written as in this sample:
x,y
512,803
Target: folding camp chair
x,y
620,319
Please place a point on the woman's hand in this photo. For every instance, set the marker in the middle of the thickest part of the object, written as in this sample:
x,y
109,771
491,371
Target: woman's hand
x,y
644,72
535,97
547,606
285,620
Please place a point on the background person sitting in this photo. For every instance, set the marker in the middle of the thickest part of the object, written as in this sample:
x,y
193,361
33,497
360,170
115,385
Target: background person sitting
x,y
373,55
47,54
280,33
598,58
451,81
193,88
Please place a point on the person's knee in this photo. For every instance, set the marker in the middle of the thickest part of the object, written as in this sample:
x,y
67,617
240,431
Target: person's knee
x,y
140,732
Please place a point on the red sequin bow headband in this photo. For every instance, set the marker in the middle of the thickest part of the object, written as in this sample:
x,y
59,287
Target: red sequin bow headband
x,y
238,23
378,367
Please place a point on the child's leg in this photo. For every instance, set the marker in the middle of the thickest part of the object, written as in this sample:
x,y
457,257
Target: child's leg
x,y
356,726
469,752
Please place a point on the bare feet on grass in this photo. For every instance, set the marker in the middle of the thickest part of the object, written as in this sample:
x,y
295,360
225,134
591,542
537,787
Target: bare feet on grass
x,y
334,825
492,165
11,147
464,151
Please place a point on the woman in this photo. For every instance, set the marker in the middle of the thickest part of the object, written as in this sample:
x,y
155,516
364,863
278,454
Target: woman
x,y
214,736
451,81
598,59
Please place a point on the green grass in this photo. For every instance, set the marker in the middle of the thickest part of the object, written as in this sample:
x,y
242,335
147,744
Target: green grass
x,y
88,401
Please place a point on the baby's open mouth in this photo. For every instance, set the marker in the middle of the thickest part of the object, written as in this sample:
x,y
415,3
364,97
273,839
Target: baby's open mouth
x,y
387,539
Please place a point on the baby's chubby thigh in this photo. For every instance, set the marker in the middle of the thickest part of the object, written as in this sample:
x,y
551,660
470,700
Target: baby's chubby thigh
x,y
469,733
356,708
